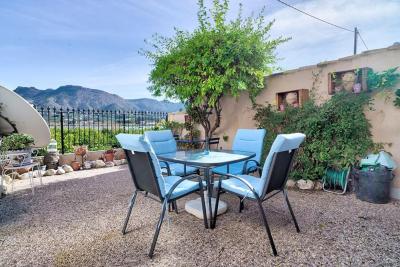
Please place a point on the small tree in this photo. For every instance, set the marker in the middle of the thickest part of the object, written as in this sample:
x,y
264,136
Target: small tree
x,y
218,58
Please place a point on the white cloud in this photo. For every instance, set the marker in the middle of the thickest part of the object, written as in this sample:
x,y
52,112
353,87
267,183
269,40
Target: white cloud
x,y
314,41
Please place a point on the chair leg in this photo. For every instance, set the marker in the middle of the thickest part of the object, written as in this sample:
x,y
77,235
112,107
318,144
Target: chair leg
x,y
132,202
291,211
264,218
160,221
175,206
241,204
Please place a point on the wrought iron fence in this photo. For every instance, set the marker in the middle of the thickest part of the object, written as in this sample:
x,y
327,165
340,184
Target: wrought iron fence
x,y
96,128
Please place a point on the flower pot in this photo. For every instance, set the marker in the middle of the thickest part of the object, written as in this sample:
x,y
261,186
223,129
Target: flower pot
x,y
20,157
357,88
76,166
109,155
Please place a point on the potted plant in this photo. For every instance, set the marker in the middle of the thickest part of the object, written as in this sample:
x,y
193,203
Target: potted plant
x,y
79,151
109,155
17,143
225,137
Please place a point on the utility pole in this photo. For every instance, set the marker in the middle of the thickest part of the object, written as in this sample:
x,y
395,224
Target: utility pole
x,y
355,40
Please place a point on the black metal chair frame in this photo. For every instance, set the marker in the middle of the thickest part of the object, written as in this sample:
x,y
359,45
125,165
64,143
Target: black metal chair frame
x,y
275,186
247,171
147,183
214,141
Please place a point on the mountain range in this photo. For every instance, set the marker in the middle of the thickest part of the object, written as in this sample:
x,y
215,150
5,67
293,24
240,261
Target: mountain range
x,y
73,96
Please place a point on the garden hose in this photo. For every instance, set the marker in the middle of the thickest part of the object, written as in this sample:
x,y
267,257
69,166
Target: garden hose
x,y
335,178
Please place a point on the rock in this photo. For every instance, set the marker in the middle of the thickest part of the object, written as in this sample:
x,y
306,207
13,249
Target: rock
x,y
50,172
291,183
67,168
318,185
123,161
14,175
109,164
25,176
99,164
117,162
36,173
305,184
7,179
60,171
87,165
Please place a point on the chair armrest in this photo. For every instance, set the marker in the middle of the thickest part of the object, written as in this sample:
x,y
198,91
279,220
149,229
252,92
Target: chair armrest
x,y
168,195
245,171
243,181
167,166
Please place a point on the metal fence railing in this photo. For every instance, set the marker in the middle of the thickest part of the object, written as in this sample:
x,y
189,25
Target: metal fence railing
x,y
95,128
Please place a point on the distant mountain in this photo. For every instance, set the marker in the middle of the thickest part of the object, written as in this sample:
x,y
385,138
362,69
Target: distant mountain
x,y
72,96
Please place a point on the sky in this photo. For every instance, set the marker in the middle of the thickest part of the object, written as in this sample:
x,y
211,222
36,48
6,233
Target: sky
x,y
95,43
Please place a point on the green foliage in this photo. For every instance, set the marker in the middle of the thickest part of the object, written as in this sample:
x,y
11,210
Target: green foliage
x,y
174,126
16,141
338,133
99,139
218,58
397,100
382,80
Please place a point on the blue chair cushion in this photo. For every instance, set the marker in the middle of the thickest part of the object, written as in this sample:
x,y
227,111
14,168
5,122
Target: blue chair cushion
x,y
162,141
238,187
235,168
183,188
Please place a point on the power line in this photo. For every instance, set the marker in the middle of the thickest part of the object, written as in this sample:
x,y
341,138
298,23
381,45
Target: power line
x,y
308,14
362,40
327,22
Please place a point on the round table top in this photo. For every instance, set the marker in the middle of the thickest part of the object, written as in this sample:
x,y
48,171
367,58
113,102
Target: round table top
x,y
202,158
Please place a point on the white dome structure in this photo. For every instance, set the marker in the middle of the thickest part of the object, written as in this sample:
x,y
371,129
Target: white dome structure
x,y
17,115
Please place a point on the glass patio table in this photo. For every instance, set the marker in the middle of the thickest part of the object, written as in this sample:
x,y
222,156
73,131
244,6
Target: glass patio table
x,y
207,160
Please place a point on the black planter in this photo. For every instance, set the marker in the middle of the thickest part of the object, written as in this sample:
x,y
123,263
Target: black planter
x,y
373,185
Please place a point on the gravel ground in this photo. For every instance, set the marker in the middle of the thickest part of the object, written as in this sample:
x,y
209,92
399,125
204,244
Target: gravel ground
x,y
77,223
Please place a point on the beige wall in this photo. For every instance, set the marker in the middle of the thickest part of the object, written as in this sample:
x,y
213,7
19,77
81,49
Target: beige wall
x,y
385,119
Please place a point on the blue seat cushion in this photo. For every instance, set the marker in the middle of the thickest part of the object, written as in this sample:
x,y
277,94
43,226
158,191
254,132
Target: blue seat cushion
x,y
178,169
235,168
238,187
183,188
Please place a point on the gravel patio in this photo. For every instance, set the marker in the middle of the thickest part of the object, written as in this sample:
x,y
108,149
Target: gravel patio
x,y
77,223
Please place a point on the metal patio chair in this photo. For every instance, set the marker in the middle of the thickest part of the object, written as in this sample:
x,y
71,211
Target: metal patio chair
x,y
273,179
249,140
147,178
163,142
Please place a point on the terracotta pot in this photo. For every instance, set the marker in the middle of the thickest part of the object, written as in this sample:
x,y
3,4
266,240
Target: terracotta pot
x,y
109,156
76,166
81,151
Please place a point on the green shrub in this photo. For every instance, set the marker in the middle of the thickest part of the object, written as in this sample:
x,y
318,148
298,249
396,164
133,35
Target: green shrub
x,y
338,133
16,141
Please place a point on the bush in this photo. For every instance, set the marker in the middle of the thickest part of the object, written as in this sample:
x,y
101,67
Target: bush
x,y
16,142
338,133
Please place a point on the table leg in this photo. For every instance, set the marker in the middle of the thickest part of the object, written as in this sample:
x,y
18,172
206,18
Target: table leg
x,y
209,194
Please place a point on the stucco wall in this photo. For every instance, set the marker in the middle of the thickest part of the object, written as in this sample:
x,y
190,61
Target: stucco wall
x,y
385,119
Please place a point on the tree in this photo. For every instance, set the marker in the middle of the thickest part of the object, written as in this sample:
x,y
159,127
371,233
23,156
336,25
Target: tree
x,y
218,58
